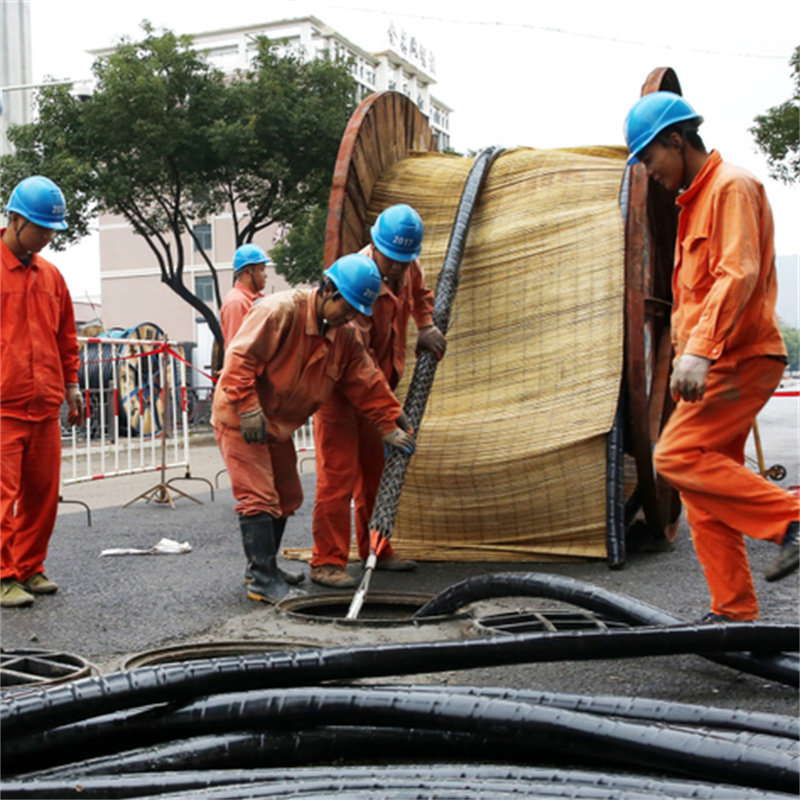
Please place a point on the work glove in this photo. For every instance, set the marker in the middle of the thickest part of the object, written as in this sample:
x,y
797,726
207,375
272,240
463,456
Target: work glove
x,y
688,379
402,422
401,440
253,425
74,397
431,338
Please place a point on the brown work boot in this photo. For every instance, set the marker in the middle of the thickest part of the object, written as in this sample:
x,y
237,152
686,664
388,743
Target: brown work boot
x,y
13,594
789,556
40,584
393,563
332,576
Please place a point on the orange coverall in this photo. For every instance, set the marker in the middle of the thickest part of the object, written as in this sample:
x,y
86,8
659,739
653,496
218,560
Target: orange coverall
x,y
234,307
724,290
38,357
281,361
347,447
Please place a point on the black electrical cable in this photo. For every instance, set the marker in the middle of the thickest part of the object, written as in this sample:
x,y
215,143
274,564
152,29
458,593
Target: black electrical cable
x,y
777,666
415,782
281,748
381,524
89,697
745,759
776,725
144,728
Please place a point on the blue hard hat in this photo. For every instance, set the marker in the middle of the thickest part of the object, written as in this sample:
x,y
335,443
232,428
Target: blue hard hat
x,y
397,233
38,199
358,280
650,115
248,254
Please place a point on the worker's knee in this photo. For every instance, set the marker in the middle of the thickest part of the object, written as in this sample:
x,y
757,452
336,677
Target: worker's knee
x,y
671,461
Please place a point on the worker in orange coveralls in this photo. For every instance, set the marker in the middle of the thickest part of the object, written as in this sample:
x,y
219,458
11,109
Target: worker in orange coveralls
x,y
250,275
729,353
347,446
292,349
38,371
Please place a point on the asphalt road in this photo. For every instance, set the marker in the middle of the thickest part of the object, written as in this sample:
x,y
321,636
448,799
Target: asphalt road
x,y
110,607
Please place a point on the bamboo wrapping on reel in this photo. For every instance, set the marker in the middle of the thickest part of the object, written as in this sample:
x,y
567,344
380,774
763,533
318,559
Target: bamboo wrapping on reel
x,y
511,452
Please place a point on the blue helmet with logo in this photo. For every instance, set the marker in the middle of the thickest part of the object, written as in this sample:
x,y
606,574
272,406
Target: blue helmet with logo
x,y
248,254
357,279
650,115
397,233
39,199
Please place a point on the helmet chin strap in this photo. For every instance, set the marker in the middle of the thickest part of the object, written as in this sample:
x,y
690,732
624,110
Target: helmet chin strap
x,y
324,324
17,230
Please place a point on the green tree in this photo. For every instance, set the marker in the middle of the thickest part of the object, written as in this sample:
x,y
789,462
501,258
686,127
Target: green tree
x,y
167,140
300,252
777,132
791,338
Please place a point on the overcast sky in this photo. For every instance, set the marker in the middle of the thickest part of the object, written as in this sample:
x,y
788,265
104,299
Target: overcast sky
x,y
539,74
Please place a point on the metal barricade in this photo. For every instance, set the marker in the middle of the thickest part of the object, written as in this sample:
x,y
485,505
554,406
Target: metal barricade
x,y
136,416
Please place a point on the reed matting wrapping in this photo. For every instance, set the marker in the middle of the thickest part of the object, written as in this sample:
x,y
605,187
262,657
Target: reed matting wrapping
x,y
511,458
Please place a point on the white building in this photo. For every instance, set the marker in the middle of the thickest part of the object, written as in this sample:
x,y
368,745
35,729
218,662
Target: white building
x,y
407,68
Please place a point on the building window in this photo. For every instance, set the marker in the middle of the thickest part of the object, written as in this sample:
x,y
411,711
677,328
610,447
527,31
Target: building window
x,y
202,239
204,288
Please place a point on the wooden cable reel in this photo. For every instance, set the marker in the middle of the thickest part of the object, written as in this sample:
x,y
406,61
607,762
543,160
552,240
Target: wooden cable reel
x,y
649,255
141,399
385,129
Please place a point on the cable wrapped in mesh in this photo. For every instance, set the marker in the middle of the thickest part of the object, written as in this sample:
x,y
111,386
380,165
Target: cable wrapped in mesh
x,y
394,470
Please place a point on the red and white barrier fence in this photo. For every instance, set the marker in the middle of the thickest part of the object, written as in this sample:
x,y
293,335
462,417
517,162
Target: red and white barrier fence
x,y
136,416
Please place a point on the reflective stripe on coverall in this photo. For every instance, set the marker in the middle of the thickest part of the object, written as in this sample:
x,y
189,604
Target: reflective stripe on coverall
x,y
347,448
38,357
280,361
724,292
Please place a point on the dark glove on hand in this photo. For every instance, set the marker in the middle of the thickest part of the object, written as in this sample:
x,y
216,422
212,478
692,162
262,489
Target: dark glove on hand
x,y
253,426
431,338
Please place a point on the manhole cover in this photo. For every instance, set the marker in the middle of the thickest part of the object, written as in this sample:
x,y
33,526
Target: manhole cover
x,y
193,651
540,620
379,608
33,667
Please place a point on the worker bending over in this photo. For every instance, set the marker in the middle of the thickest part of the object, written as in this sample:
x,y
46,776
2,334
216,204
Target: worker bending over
x,y
250,278
291,350
38,371
729,353
347,446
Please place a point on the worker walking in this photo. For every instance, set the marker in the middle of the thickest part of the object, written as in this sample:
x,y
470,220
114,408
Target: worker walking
x,y
250,277
348,449
38,372
729,353
290,352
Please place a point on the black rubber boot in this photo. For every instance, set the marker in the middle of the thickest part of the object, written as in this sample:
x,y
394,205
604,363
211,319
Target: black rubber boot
x,y
292,578
258,539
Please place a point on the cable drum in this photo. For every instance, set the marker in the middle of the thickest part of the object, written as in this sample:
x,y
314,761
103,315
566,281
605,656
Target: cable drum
x,y
137,379
525,451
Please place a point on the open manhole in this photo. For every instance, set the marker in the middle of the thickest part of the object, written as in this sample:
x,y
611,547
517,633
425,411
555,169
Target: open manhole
x,y
37,667
198,650
379,608
524,620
